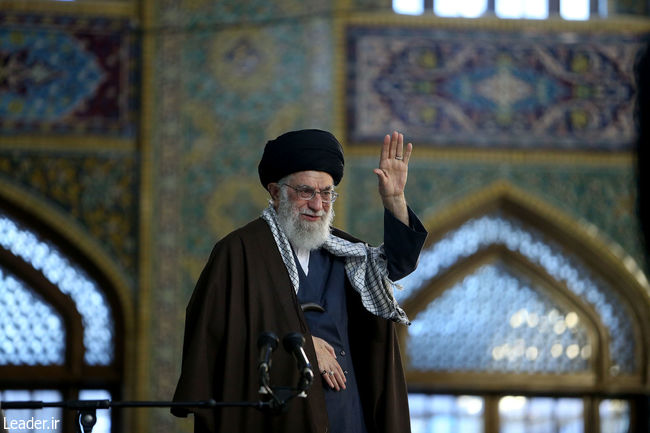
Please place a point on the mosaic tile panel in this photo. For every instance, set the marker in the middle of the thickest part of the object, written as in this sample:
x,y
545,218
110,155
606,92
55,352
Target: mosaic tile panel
x,y
100,192
231,111
230,115
505,89
67,75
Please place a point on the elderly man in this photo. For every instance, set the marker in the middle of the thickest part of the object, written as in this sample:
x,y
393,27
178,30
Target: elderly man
x,y
259,276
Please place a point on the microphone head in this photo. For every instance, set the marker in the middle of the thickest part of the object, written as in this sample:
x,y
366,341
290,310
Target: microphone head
x,y
292,341
268,339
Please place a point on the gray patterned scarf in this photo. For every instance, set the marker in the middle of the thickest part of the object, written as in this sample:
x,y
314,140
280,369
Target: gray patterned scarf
x,y
365,267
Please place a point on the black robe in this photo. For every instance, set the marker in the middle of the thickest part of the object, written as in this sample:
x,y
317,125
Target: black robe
x,y
245,290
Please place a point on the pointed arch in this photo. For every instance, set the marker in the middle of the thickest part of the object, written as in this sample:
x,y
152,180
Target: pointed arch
x,y
496,255
77,245
583,238
600,256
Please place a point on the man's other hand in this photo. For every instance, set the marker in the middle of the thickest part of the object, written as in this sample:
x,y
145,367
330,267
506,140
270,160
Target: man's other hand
x,y
330,370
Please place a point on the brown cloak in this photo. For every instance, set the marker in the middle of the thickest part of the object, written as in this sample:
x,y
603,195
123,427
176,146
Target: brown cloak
x,y
245,290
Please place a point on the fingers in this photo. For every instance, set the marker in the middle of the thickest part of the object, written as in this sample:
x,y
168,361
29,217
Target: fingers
x,y
331,380
393,147
339,376
396,145
385,148
407,152
335,377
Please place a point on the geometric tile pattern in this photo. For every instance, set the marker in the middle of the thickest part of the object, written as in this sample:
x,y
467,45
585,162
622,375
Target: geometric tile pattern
x,y
68,278
33,332
505,89
486,308
61,74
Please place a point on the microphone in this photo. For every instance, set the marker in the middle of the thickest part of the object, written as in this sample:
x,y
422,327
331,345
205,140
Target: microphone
x,y
292,343
267,342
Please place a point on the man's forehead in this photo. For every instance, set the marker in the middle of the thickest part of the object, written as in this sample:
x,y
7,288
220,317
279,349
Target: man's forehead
x,y
313,178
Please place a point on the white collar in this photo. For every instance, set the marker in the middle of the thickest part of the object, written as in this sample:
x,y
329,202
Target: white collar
x,y
303,259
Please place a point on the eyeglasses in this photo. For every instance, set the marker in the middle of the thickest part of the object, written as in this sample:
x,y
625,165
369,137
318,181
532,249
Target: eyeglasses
x,y
307,193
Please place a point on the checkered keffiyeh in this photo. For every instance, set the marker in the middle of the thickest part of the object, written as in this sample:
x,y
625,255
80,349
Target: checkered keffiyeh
x,y
365,267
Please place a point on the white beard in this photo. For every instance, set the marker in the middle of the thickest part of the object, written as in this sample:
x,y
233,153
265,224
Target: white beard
x,y
303,235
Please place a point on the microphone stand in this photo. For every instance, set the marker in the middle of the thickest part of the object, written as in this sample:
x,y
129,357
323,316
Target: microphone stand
x,y
87,409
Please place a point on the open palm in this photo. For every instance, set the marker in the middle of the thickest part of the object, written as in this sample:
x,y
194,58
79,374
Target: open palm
x,y
393,166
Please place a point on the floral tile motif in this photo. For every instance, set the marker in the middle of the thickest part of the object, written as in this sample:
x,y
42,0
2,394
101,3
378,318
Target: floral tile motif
x,y
67,75
505,89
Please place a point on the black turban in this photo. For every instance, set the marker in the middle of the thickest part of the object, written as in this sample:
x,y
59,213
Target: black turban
x,y
308,149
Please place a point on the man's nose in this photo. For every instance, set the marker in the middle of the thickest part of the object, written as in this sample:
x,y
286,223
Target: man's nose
x,y
316,202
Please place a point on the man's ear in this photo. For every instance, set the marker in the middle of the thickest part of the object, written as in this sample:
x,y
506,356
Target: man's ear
x,y
274,190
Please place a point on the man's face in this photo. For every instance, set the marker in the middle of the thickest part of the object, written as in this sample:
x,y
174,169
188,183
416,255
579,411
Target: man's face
x,y
305,222
318,180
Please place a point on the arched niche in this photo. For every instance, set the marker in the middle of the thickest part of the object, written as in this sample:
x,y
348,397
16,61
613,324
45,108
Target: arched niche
x,y
502,227
57,238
